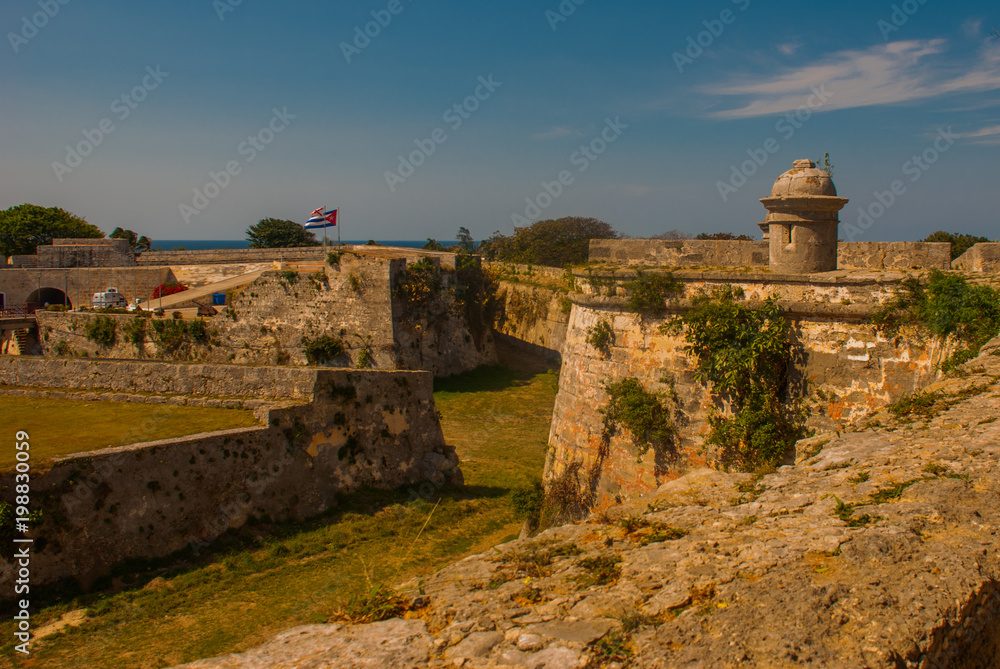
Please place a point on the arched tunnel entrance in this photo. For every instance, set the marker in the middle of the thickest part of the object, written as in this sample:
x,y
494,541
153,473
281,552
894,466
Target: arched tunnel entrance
x,y
44,296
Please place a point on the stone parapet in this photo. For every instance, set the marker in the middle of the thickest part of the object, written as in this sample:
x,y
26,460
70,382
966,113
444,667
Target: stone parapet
x,y
150,500
983,257
894,255
678,253
230,381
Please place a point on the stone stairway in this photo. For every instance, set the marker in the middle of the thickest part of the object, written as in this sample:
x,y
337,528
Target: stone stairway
x,y
22,343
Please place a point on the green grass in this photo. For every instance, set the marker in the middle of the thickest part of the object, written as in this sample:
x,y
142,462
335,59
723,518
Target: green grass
x,y
268,578
61,427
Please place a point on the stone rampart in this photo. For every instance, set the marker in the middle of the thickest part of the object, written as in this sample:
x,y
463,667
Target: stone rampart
x,y
64,253
232,256
534,306
690,253
304,254
679,253
270,320
845,367
149,500
983,257
894,255
230,381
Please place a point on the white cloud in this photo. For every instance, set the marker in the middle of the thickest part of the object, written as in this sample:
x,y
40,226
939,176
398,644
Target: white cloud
x,y
554,133
989,135
892,73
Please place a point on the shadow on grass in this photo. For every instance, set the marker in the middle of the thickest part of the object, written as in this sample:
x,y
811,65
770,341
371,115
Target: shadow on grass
x,y
135,573
491,378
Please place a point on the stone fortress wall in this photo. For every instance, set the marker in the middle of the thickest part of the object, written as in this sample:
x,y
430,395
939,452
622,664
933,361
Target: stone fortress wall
x,y
324,433
690,253
267,321
847,368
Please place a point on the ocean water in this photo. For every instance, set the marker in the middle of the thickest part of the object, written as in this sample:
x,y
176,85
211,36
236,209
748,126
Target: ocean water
x,y
212,244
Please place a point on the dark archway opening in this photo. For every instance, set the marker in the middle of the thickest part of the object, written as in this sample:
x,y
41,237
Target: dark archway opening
x,y
51,296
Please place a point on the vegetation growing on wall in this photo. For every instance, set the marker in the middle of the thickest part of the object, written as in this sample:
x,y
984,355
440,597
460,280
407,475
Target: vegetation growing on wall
x,y
948,306
745,355
322,349
103,331
646,415
648,293
476,295
135,332
176,337
601,336
419,285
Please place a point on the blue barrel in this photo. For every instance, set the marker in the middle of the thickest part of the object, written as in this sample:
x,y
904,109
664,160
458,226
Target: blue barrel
x,y
219,298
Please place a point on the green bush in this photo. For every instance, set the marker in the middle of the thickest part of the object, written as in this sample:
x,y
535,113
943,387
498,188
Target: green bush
x,y
648,293
644,414
528,501
135,332
555,243
745,355
601,336
322,349
947,305
174,337
103,331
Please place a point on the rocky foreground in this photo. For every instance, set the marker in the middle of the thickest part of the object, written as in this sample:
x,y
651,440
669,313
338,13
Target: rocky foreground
x,y
878,549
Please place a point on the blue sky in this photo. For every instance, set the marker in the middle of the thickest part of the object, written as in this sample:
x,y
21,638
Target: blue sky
x,y
668,124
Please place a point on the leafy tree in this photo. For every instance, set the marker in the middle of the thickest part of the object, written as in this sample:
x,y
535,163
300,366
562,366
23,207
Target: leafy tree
x,y
465,240
723,236
26,226
276,233
959,243
433,245
136,243
554,243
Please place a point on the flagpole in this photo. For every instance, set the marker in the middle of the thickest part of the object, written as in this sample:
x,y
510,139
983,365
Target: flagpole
x,y
339,220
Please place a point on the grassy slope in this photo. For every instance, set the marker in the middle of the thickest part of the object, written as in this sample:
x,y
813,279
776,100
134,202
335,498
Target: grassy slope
x,y
60,426
256,587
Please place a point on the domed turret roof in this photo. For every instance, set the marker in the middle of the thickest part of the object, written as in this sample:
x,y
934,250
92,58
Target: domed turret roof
x,y
803,180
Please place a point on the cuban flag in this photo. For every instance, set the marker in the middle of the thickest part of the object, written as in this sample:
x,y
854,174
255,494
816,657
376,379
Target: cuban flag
x,y
322,219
